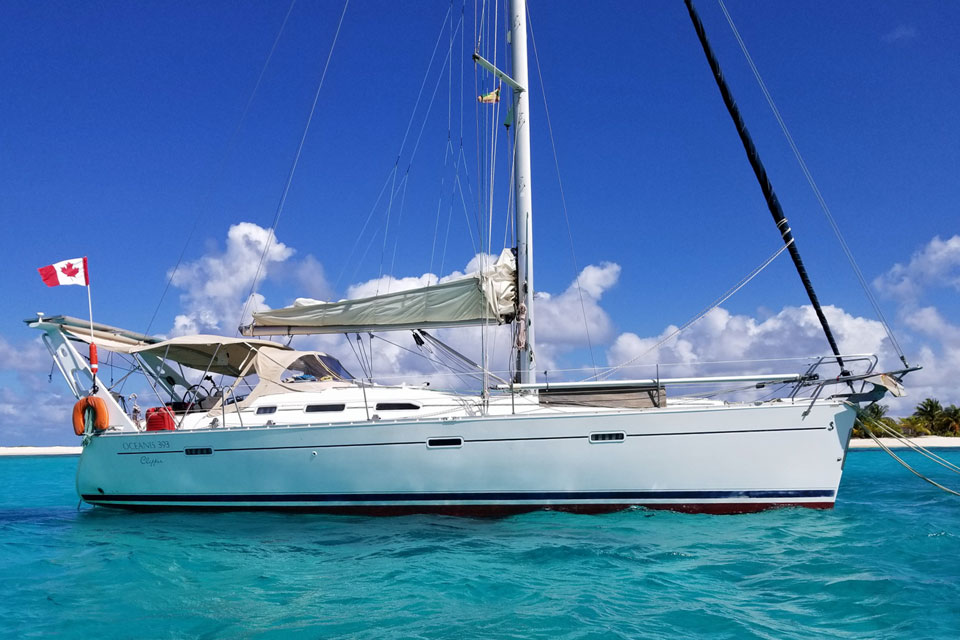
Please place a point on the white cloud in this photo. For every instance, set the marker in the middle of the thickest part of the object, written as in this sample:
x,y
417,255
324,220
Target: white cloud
x,y
37,417
311,279
217,285
720,336
900,33
562,321
941,363
935,265
390,284
27,356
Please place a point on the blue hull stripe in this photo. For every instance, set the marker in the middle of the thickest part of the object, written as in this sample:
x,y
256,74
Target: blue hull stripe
x,y
549,496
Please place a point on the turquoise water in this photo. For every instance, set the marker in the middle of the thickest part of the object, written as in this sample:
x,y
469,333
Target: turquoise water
x,y
884,563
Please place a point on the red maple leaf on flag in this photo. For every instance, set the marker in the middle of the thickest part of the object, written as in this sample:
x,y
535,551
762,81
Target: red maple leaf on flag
x,y
69,270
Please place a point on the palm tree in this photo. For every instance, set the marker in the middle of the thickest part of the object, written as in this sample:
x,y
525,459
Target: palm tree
x,y
911,426
928,414
876,411
949,421
868,415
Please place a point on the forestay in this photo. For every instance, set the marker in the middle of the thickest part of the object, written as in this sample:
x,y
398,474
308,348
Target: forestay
x,y
488,296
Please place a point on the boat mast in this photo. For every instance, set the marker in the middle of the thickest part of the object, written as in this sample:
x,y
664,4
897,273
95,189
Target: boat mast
x,y
773,204
526,367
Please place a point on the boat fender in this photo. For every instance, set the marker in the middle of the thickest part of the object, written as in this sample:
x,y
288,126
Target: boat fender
x,y
94,361
101,417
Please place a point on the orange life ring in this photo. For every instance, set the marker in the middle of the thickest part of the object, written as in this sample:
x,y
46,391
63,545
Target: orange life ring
x,y
101,417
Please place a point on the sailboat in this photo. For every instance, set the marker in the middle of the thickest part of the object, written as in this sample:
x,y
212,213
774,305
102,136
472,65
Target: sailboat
x,y
296,431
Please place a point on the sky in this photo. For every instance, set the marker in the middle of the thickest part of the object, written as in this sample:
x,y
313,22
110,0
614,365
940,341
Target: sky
x,y
157,139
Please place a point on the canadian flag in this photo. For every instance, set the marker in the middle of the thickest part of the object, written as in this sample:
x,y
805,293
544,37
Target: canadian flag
x,y
66,272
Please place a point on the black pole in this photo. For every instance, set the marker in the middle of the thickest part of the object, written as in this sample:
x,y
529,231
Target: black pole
x,y
772,203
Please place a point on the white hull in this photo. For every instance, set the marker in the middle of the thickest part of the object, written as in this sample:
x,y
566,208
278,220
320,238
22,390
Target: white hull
x,y
729,459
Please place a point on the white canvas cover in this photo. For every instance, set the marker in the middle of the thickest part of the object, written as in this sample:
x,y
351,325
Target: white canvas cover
x,y
271,364
217,354
487,296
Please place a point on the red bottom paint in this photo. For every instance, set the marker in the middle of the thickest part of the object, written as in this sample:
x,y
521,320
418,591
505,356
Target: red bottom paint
x,y
492,510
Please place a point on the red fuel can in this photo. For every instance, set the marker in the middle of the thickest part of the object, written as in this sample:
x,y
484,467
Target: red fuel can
x,y
160,419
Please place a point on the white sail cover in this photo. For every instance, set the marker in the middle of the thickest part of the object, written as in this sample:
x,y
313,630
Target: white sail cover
x,y
488,296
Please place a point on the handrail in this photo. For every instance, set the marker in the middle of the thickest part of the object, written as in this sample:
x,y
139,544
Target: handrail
x,y
810,375
606,384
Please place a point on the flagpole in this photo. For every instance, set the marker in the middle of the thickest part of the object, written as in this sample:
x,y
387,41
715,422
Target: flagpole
x,y
94,364
90,309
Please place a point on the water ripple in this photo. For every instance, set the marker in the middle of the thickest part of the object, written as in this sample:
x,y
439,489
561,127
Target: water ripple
x,y
879,565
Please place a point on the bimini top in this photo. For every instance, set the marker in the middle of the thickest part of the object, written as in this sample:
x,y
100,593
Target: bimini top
x,y
217,354
488,296
228,355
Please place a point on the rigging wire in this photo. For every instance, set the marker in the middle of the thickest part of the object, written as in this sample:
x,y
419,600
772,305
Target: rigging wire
x,y
405,182
403,141
753,274
448,148
930,455
356,355
445,362
923,451
563,199
813,185
457,187
293,169
230,145
366,222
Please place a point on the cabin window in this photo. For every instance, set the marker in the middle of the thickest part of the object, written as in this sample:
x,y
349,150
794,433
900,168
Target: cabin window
x,y
616,436
314,368
266,410
321,408
397,406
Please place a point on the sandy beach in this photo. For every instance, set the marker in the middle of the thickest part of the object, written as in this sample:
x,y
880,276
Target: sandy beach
x,y
893,443
40,451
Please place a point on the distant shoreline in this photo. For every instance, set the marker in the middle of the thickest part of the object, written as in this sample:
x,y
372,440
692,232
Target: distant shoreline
x,y
893,443
924,441
40,451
